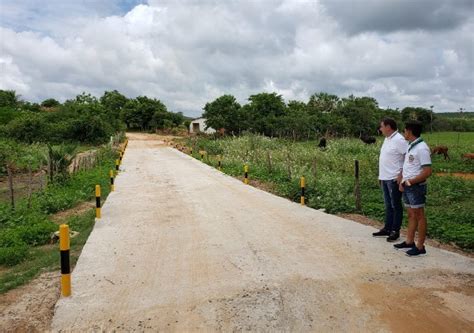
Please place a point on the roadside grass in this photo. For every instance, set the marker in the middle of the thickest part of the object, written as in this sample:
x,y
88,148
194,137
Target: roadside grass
x,y
458,144
25,233
45,258
330,181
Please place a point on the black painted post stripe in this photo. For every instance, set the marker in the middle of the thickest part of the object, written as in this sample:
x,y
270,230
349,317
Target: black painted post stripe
x,y
246,175
65,267
97,202
111,180
302,191
356,168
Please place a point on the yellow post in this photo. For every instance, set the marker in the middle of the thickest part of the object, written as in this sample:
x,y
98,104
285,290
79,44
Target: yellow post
x,y
65,266
246,174
112,186
117,166
97,201
219,162
302,184
120,157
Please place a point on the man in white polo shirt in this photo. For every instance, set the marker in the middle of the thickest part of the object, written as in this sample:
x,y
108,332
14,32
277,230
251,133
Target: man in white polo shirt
x,y
416,169
391,158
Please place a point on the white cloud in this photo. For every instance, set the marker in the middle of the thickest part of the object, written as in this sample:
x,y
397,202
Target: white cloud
x,y
188,53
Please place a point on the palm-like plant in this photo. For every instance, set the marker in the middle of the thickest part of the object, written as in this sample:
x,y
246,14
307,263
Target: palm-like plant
x,y
59,157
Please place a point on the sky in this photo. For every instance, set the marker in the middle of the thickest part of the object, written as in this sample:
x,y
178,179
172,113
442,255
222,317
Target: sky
x,y
187,53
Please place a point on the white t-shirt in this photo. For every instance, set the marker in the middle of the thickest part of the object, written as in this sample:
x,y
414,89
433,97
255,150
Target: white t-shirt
x,y
391,157
417,156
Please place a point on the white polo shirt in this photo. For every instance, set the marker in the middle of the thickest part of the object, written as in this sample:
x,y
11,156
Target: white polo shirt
x,y
391,157
417,156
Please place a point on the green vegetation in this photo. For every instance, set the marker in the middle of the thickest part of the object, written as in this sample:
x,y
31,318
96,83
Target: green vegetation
x,y
458,144
82,120
322,115
46,257
330,180
26,231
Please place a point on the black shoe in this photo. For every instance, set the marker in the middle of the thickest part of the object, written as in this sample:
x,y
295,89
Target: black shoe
x,y
416,252
381,233
404,245
394,235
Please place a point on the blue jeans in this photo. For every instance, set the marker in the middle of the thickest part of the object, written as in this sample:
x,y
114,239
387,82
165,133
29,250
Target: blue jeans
x,y
393,205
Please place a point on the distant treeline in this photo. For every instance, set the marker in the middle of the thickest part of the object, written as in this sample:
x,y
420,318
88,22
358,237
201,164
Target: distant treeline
x,y
323,115
92,120
84,119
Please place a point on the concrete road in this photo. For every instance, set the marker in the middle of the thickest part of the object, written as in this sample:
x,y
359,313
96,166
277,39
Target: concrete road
x,y
183,247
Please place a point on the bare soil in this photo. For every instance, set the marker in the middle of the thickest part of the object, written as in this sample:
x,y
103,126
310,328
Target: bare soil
x,y
82,207
464,175
30,308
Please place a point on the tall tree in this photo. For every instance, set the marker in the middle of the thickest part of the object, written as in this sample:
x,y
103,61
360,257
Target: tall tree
x,y
8,98
322,102
264,109
223,112
361,113
423,115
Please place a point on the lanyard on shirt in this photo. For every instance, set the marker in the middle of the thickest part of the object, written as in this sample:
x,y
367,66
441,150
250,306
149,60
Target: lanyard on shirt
x,y
414,143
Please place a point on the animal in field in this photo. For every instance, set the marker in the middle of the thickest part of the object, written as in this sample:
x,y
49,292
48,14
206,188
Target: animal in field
x,y
368,139
467,156
322,143
441,150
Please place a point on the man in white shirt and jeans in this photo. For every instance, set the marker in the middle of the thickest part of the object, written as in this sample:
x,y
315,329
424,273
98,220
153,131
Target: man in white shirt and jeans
x,y
391,159
416,169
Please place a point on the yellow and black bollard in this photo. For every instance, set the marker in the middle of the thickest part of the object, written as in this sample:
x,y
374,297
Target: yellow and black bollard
x,y
246,174
202,154
112,186
302,190
65,265
120,157
191,151
219,162
97,201
117,163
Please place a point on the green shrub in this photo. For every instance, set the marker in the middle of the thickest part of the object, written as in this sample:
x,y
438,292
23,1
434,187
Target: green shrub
x,y
10,238
28,127
10,256
37,234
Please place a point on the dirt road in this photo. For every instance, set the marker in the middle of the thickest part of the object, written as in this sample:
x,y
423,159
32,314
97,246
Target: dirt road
x,y
183,247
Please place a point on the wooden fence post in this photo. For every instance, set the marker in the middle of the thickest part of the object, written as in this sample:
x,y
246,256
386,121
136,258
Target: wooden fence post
x,y
357,186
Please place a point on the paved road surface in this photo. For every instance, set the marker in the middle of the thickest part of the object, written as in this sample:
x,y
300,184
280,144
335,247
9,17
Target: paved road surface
x,y
183,247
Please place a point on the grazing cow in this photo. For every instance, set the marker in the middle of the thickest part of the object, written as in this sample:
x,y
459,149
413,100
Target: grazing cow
x,y
368,139
468,156
322,143
441,150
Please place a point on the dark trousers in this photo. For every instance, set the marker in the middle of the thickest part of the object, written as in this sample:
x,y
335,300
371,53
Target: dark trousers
x,y
393,205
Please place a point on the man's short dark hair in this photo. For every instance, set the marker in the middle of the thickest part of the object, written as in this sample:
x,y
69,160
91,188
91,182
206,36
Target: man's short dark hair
x,y
415,127
390,122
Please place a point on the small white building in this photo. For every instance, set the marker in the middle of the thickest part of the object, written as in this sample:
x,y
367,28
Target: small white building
x,y
199,125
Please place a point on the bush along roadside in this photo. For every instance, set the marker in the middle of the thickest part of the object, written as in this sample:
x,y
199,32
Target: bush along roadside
x,y
26,232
